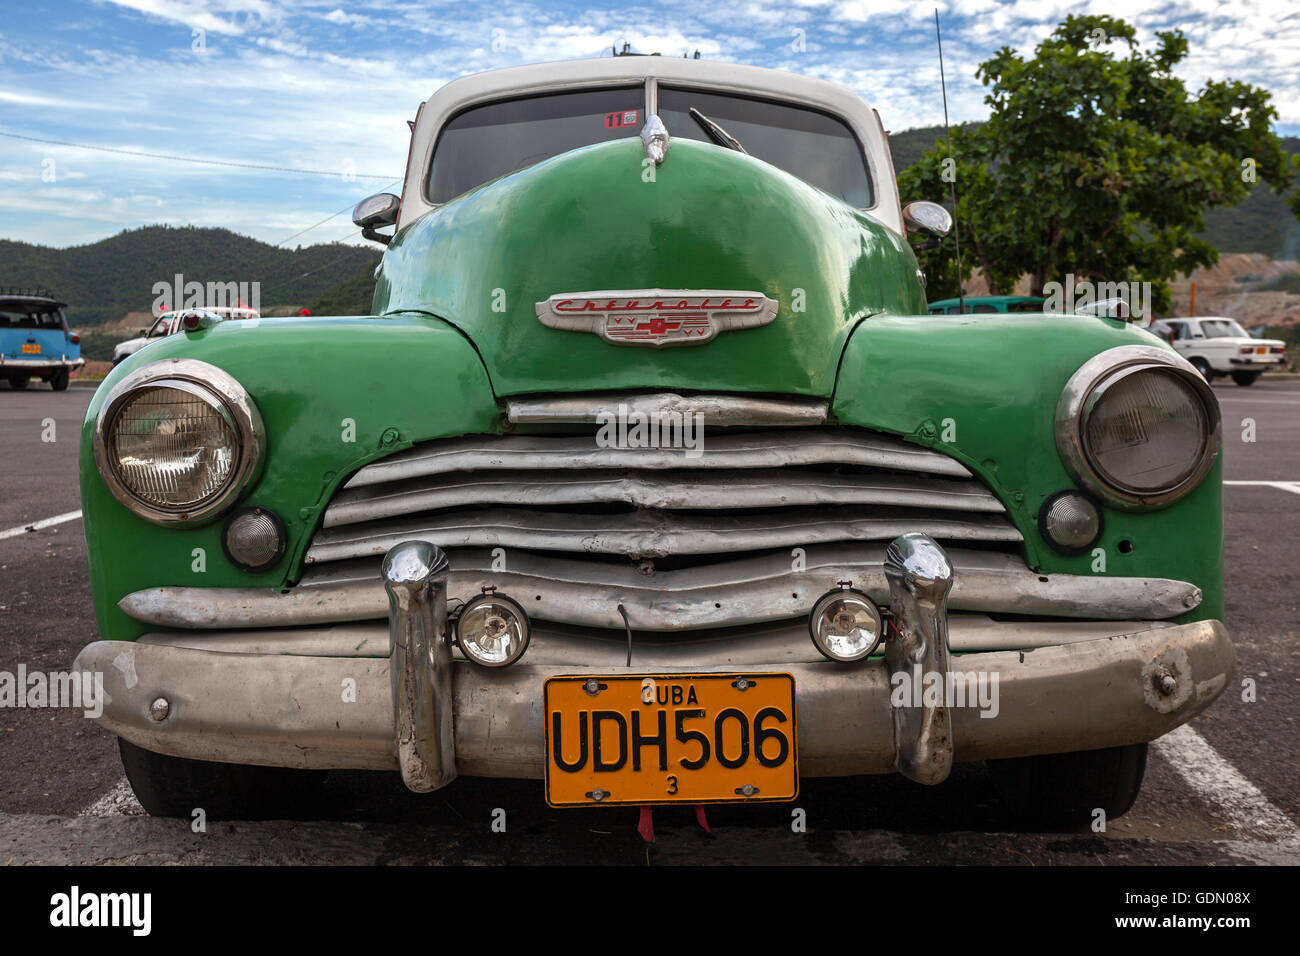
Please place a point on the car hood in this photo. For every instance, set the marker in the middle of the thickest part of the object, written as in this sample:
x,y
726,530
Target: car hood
x,y
605,219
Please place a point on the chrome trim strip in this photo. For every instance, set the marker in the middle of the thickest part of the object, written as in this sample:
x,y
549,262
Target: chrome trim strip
x,y
916,652
586,593
287,711
782,642
757,449
1076,400
647,534
718,410
205,381
682,491
419,665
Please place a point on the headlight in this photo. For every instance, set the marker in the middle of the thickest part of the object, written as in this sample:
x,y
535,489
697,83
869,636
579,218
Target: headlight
x,y
1138,426
178,440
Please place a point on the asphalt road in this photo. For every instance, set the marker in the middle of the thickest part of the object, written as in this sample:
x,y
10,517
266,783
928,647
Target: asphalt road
x,y
1224,791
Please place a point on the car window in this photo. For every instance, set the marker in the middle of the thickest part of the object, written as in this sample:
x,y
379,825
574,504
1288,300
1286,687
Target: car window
x,y
487,142
984,308
30,320
1222,328
1025,307
161,327
816,147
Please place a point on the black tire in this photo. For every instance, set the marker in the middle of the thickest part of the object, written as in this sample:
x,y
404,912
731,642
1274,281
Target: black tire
x,y
1203,367
176,787
1064,790
59,380
1245,378
19,382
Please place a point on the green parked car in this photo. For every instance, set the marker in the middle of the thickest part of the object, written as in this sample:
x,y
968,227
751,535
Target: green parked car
x,y
651,479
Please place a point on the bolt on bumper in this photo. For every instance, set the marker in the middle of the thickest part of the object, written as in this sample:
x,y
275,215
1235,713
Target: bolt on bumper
x,y
429,717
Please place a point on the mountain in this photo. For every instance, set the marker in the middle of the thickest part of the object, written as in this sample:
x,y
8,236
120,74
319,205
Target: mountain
x,y
1261,222
104,280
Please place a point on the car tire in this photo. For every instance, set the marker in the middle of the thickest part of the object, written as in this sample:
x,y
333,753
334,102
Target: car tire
x,y
176,786
1203,367
1245,378
19,382
59,380
1066,790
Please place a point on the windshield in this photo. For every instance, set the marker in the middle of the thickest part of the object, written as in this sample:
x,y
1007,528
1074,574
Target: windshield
x,y
1222,329
487,142
817,148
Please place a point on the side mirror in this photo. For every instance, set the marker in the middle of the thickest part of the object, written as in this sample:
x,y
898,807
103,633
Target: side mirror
x,y
375,212
927,217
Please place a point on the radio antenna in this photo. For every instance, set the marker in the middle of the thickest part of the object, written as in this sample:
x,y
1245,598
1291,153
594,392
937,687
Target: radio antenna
x,y
956,229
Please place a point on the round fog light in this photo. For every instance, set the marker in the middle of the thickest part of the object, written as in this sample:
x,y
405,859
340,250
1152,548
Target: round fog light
x,y
253,538
845,625
1069,522
492,630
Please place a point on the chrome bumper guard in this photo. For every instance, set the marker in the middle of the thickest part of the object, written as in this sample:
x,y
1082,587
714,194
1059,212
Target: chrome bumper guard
x,y
429,717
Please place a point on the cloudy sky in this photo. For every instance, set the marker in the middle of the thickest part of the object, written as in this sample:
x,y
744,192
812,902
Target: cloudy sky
x,y
327,86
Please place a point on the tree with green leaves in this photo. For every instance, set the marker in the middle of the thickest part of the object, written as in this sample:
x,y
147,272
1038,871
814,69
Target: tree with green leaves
x,y
1097,161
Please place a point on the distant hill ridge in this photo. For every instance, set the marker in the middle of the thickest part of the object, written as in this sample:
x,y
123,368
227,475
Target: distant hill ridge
x,y
1260,223
104,280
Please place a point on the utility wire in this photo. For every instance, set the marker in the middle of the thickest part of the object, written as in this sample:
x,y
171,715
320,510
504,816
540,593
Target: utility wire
x,y
191,159
329,217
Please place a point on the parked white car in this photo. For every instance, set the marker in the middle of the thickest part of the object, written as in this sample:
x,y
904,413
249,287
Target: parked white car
x,y
169,323
1220,346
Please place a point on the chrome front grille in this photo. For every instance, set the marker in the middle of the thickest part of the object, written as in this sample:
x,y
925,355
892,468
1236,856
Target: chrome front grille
x,y
563,496
719,556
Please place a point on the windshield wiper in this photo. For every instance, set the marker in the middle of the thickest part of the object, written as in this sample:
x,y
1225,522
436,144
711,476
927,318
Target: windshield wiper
x,y
716,132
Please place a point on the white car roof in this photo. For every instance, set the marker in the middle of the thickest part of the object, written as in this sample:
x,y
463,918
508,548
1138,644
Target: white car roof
x,y
677,71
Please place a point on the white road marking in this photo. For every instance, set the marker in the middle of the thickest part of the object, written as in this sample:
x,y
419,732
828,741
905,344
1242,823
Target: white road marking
x,y
1256,401
1245,806
38,525
1291,486
118,801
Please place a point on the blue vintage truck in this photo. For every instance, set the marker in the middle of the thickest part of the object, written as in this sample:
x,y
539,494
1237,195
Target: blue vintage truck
x,y
35,341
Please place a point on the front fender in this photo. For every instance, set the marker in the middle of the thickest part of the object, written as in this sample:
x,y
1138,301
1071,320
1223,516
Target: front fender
x,y
983,389
334,394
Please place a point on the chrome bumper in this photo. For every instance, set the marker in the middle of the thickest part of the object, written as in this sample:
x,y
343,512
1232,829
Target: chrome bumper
x,y
429,717
40,365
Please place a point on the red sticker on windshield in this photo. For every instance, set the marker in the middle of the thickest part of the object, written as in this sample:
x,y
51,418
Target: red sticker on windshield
x,y
622,119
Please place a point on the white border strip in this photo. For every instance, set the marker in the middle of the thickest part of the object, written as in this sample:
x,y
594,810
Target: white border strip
x,y
1244,805
38,525
1291,486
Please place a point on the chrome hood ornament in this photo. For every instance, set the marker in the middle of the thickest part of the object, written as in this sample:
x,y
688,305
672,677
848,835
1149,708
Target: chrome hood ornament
x,y
655,137
656,317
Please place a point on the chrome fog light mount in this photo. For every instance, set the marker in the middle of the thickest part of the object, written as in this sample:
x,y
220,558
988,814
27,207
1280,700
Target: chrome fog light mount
x,y
492,630
178,441
1138,427
253,539
845,625
1070,522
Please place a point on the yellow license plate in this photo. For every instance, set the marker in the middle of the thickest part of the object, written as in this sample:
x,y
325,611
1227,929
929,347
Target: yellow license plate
x,y
1260,350
31,349
664,738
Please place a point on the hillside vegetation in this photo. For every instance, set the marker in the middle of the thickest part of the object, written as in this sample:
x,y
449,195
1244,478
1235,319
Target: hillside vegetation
x,y
104,280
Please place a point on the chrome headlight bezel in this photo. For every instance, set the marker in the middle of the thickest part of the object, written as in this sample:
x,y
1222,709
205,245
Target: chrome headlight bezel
x,y
1088,383
208,384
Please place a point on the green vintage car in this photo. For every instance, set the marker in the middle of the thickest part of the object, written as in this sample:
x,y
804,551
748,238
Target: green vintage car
x,y
651,480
